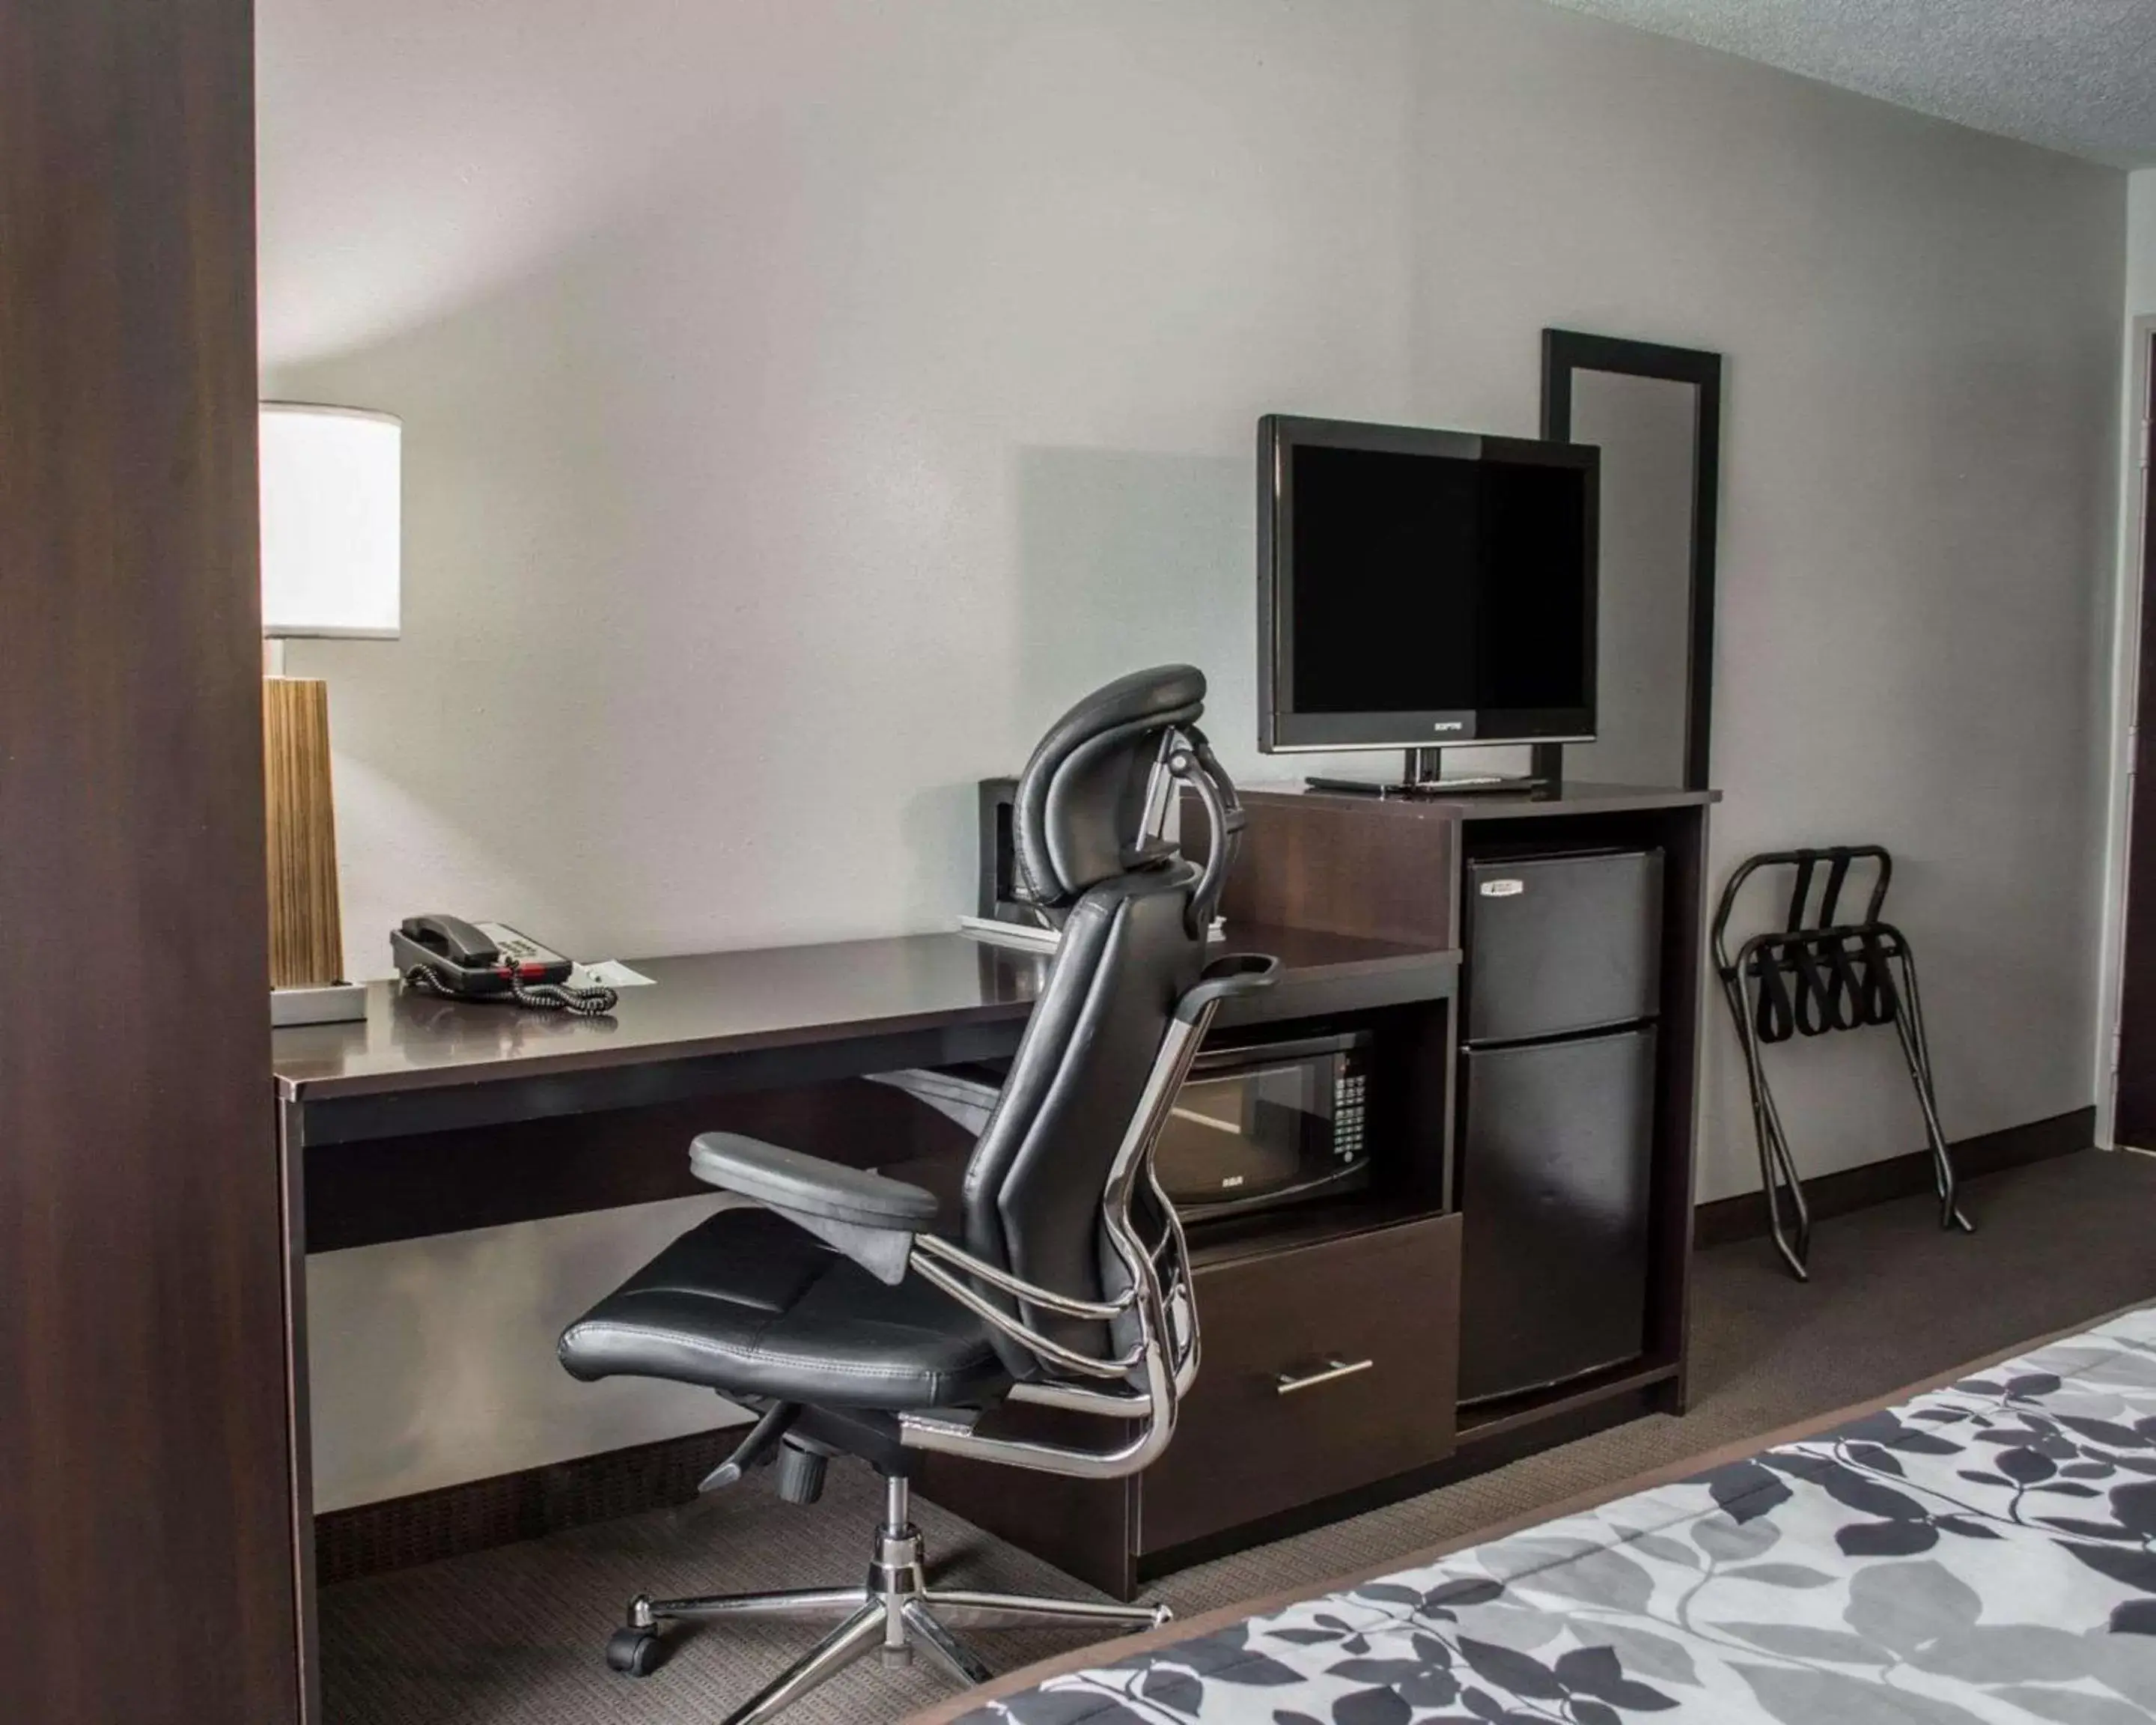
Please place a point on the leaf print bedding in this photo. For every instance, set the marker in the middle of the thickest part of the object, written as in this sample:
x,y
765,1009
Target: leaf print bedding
x,y
1984,1551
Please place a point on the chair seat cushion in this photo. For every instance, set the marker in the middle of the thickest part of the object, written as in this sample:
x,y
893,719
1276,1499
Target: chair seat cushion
x,y
747,1303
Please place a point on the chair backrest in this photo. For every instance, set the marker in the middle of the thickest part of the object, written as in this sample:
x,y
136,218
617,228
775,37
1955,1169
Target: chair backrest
x,y
1134,916
1079,815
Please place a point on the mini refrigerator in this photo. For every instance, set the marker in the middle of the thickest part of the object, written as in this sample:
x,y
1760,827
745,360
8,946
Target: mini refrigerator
x,y
1558,1071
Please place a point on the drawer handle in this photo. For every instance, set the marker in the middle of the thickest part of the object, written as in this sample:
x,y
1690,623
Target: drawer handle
x,y
1334,1370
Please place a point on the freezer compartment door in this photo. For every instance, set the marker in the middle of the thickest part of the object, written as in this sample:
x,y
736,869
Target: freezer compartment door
x,y
1558,944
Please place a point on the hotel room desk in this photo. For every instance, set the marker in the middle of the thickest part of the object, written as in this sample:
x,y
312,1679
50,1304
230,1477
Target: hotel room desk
x,y
727,1021
436,1116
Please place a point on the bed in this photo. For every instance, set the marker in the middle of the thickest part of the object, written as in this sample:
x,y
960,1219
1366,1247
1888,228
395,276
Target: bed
x,y
1984,1549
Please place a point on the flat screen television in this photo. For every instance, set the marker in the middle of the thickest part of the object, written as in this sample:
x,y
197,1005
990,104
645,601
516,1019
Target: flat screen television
x,y
1418,588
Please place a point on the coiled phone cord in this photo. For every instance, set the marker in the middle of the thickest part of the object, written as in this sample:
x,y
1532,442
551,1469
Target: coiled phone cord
x,y
539,997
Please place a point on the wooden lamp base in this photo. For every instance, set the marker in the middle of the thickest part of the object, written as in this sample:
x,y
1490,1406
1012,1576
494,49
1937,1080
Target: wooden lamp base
x,y
306,935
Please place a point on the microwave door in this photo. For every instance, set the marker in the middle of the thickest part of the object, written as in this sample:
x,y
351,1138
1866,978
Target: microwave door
x,y
1240,1136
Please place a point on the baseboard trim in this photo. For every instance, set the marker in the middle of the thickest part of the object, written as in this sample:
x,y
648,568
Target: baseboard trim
x,y
1724,1220
373,1538
477,1515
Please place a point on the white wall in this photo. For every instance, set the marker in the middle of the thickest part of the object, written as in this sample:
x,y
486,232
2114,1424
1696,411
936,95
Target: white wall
x,y
2141,242
803,402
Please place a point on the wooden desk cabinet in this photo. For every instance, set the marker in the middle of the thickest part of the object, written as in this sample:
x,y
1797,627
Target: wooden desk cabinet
x,y
1296,1294
1327,1366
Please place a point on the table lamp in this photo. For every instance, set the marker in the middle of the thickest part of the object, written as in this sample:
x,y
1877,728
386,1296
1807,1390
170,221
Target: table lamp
x,y
332,557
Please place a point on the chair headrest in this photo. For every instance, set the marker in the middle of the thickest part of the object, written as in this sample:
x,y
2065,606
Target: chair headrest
x,y
1079,815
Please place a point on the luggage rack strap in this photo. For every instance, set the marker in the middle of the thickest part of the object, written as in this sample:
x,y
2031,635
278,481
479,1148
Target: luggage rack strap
x,y
1844,979
1838,969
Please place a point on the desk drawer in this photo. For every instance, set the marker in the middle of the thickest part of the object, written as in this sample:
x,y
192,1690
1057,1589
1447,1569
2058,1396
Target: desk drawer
x,y
1326,1368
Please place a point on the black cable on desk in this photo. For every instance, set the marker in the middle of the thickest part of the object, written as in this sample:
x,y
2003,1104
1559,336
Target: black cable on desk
x,y
539,997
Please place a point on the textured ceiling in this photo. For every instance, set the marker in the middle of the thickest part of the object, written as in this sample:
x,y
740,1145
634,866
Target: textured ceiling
x,y
2074,74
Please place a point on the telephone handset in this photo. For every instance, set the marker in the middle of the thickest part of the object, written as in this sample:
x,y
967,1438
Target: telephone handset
x,y
489,961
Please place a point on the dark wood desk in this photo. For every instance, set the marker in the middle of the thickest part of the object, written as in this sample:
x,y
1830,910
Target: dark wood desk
x,y
726,1021
435,1116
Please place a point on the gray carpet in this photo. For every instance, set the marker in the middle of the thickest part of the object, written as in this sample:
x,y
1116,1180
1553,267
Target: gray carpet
x,y
515,1633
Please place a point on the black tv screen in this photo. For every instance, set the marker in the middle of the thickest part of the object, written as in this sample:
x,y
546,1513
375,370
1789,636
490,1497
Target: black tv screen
x,y
1421,587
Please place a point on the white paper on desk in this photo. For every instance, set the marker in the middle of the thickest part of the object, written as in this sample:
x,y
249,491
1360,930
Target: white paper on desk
x,y
607,973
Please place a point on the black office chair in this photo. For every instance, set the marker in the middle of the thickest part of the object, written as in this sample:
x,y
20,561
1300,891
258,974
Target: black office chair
x,y
849,1322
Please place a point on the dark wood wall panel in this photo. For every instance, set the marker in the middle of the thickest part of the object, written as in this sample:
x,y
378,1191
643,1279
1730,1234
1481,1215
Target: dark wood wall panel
x,y
2134,1122
146,1512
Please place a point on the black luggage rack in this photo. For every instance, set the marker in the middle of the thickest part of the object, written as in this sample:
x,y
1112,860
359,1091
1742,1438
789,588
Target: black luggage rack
x,y
1812,976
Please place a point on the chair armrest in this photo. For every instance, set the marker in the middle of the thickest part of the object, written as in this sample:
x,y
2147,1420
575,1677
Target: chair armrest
x,y
1226,978
808,1185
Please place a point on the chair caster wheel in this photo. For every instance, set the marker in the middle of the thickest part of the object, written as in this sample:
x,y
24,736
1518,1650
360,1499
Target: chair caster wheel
x,y
635,1652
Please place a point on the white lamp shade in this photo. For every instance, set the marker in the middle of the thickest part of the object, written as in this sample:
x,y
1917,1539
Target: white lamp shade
x,y
333,526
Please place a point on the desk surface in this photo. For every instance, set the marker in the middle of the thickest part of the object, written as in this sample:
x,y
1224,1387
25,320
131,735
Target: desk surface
x,y
720,1004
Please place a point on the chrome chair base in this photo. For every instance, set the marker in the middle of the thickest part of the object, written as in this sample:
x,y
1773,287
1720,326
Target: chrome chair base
x,y
894,1611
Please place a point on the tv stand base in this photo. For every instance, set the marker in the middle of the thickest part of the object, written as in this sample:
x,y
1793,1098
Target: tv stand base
x,y
1475,784
1424,776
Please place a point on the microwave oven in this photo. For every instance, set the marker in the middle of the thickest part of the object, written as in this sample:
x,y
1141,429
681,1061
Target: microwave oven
x,y
1275,1123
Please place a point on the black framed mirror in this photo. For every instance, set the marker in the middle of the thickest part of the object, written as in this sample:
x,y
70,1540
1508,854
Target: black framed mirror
x,y
1655,412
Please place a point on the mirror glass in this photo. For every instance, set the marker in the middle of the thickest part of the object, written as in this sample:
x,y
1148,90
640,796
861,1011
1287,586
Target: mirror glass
x,y
1646,429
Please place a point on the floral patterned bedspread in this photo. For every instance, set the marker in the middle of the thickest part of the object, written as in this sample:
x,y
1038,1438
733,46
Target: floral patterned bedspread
x,y
1983,1551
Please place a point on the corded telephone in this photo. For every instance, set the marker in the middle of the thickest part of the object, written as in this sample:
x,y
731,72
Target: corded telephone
x,y
488,960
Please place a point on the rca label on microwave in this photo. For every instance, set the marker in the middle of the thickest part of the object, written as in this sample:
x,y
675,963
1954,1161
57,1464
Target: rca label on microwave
x,y
1503,889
